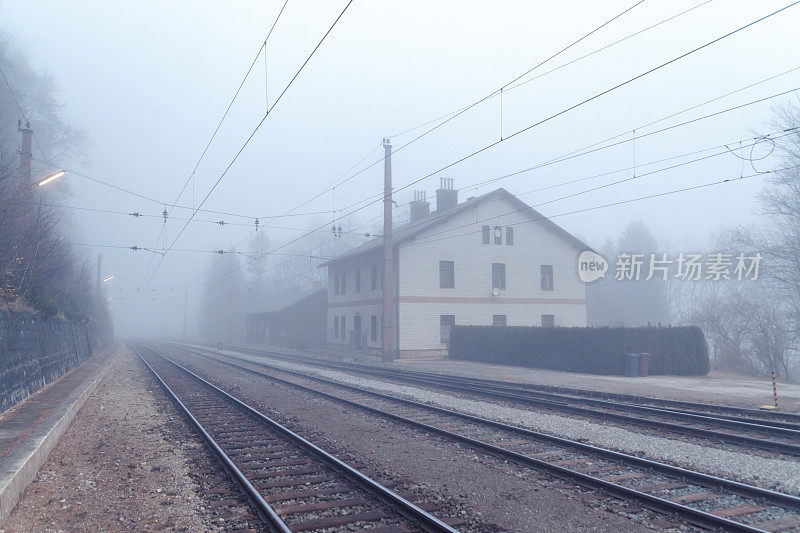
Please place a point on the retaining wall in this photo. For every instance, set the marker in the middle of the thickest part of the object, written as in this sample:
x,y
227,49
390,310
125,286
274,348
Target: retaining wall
x,y
35,351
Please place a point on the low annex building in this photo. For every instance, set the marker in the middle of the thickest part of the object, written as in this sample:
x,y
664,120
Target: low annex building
x,y
491,259
295,320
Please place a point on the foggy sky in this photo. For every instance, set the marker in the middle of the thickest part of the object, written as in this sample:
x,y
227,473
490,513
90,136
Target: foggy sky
x,y
148,81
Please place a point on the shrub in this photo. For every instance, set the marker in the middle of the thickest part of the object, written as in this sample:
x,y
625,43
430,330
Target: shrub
x,y
675,350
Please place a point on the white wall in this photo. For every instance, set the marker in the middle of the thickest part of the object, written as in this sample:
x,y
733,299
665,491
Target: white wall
x,y
422,301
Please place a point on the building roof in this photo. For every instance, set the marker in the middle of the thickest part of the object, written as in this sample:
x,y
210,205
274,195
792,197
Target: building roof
x,y
409,231
284,301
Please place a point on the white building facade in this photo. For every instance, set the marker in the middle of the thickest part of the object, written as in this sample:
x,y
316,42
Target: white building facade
x,y
489,260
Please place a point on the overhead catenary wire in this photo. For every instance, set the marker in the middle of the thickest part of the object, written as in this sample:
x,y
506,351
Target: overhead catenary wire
x,y
258,126
599,145
754,142
627,201
461,111
263,48
559,113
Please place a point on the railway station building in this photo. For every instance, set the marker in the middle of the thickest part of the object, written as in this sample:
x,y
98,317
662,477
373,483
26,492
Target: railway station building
x,y
295,320
489,260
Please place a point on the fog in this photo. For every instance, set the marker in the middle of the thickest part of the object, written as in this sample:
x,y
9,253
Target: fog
x,y
147,83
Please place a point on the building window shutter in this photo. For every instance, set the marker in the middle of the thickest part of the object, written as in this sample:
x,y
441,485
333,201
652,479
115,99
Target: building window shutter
x,y
336,327
336,283
485,235
447,275
358,280
344,282
373,280
373,328
510,235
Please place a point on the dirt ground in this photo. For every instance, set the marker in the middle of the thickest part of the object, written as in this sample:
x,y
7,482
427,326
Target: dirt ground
x,y
127,462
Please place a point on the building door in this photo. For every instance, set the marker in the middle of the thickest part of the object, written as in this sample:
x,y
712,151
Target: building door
x,y
357,331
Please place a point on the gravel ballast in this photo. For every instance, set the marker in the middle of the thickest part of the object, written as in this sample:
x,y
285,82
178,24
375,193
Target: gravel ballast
x,y
775,474
498,494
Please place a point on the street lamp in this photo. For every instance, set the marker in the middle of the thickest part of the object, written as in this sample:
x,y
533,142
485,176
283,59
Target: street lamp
x,y
109,278
52,177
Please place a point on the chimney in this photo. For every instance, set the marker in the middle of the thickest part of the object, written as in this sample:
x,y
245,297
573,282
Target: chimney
x,y
420,206
446,196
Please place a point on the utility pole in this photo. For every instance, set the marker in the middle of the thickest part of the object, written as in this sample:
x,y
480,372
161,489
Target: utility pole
x,y
388,331
25,159
185,308
99,281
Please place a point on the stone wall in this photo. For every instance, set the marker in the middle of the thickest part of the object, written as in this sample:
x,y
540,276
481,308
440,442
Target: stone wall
x,y
35,351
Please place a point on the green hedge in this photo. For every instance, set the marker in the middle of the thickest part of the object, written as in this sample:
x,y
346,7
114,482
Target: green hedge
x,y
675,350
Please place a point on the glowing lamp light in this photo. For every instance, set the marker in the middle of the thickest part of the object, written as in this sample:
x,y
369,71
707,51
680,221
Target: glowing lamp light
x,y
52,177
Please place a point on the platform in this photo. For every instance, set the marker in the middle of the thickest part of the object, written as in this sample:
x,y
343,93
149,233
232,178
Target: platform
x,y
30,430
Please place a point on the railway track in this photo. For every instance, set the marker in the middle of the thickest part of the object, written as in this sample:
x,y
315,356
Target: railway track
x,y
293,484
698,498
778,434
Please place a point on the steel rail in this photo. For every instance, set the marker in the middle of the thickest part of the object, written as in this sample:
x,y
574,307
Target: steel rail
x,y
575,395
263,509
694,515
733,438
405,508
630,398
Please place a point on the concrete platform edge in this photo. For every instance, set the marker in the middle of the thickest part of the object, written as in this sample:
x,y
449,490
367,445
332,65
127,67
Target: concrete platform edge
x,y
26,467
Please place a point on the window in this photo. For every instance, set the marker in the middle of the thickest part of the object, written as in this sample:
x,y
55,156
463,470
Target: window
x,y
341,323
548,321
509,235
547,277
447,278
498,275
373,278
486,235
498,235
358,280
446,323
344,282
373,328
336,323
499,320
336,283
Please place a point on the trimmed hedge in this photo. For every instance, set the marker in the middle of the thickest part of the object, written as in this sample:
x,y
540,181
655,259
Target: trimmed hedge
x,y
675,350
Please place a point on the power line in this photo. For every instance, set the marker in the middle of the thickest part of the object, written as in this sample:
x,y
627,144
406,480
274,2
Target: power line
x,y
628,201
565,110
597,50
456,114
263,48
185,207
592,148
269,110
753,142
596,146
